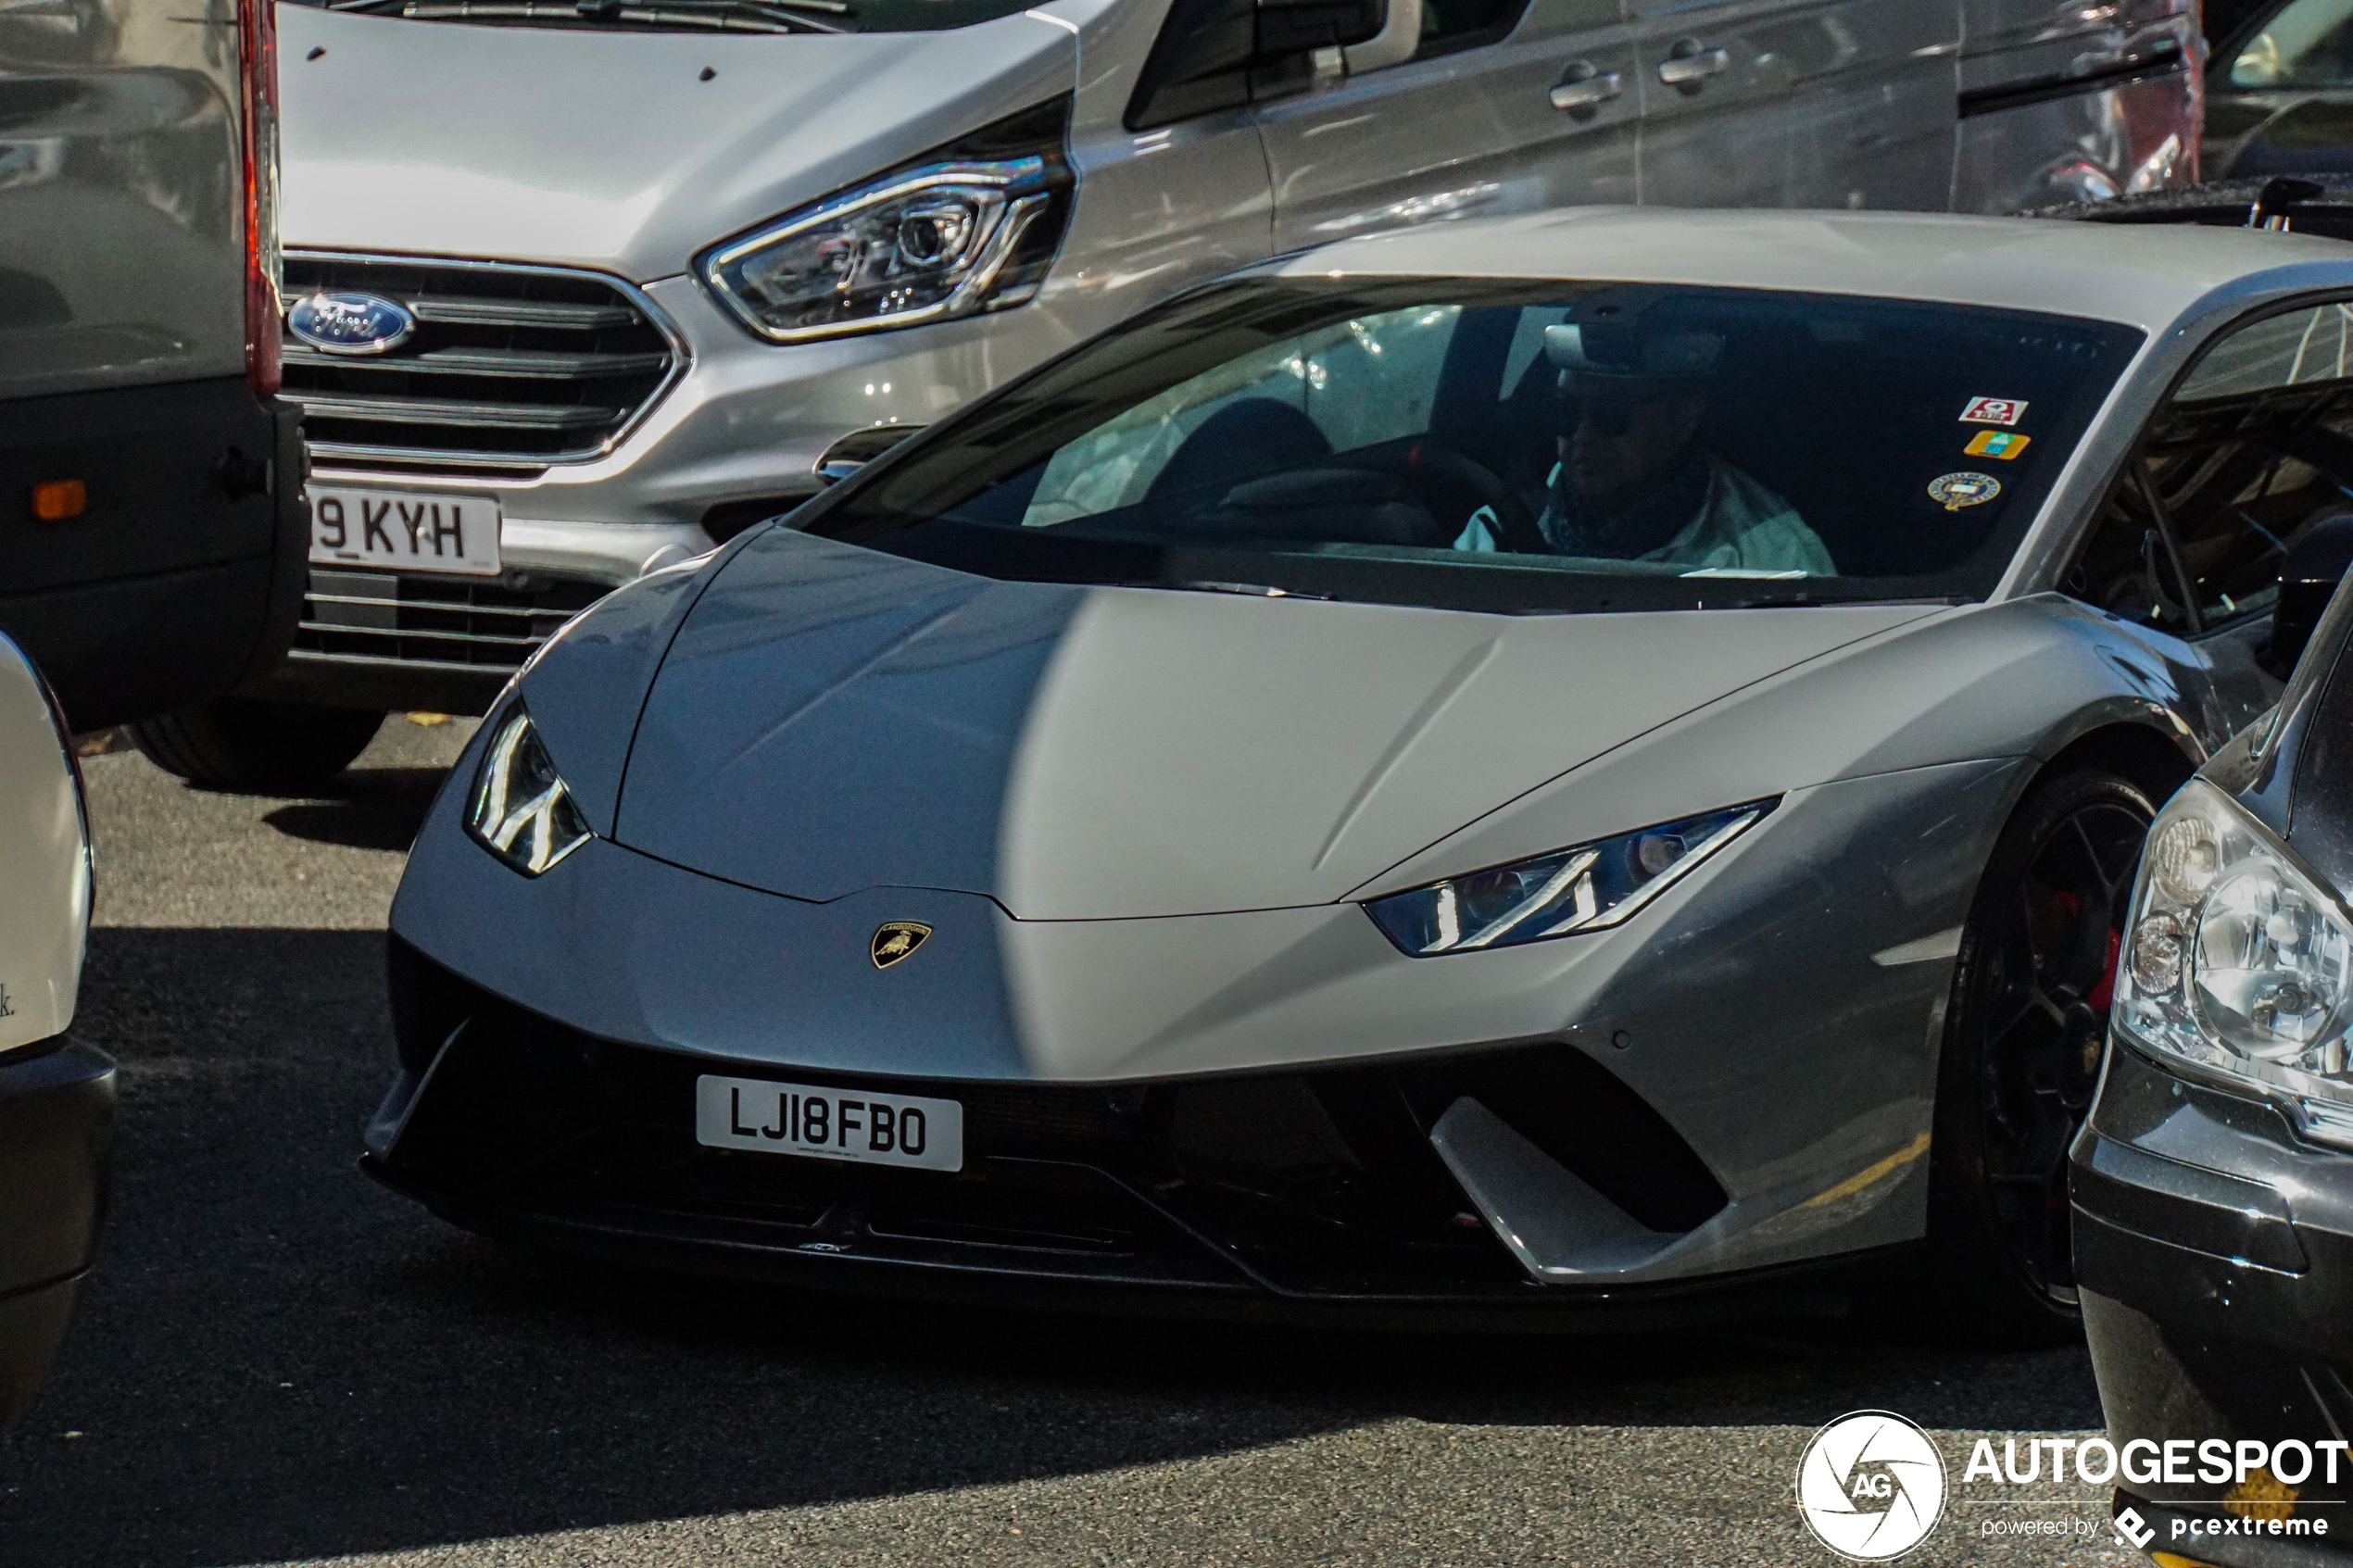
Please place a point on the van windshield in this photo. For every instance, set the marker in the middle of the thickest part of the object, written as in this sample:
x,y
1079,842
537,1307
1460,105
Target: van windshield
x,y
693,16
1512,446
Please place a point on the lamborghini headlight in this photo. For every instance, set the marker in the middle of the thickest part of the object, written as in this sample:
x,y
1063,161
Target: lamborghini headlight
x,y
2239,962
970,229
1581,888
521,810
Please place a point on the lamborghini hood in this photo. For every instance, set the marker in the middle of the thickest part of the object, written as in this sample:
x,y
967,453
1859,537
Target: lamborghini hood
x,y
830,719
617,148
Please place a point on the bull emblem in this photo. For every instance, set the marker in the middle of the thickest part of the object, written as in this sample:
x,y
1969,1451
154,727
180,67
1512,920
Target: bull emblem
x,y
895,939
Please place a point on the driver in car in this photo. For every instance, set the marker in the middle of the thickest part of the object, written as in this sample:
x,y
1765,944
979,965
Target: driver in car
x,y
1633,482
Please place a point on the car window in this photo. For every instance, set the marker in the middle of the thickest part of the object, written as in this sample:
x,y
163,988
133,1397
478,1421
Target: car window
x,y
2293,348
2309,44
1447,25
1353,384
2252,450
1512,445
2126,568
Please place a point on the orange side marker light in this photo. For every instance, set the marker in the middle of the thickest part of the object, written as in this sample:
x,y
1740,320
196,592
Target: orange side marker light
x,y
57,499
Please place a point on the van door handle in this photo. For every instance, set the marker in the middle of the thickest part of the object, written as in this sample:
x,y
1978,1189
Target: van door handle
x,y
1688,65
1585,90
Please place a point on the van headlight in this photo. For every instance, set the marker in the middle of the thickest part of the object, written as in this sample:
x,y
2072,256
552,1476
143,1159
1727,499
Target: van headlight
x,y
1584,887
2239,962
971,227
522,810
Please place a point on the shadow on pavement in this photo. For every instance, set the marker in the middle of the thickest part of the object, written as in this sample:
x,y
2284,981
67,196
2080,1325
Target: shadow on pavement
x,y
278,1360
375,808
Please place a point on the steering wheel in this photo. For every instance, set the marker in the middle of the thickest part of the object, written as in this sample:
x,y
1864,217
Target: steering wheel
x,y
1426,464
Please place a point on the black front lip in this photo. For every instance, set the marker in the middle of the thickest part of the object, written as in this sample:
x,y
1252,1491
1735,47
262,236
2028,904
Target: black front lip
x,y
892,1268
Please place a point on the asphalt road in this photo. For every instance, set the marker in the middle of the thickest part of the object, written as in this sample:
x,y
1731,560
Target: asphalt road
x,y
279,1361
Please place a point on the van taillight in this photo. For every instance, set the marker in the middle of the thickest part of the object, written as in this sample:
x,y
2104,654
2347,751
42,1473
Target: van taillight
x,y
258,74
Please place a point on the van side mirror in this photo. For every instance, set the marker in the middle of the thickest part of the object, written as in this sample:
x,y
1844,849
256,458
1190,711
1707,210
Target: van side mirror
x,y
1213,54
858,448
2309,576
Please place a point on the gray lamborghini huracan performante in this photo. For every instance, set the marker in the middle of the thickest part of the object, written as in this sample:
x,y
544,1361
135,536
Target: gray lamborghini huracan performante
x,y
1554,764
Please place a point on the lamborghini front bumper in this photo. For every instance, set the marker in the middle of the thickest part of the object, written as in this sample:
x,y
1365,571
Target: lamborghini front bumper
x,y
1314,1195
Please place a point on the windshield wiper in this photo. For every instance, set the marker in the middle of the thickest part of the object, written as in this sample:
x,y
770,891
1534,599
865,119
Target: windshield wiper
x,y
719,15
783,11
1203,586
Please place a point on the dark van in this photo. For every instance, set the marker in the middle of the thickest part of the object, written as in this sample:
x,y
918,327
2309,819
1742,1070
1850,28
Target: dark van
x,y
152,523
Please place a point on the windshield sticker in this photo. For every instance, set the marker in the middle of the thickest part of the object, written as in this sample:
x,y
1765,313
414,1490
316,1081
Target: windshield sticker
x,y
1994,412
1954,491
2002,444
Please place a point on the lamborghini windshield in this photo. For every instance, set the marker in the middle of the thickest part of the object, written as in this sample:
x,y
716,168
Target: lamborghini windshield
x,y
1513,445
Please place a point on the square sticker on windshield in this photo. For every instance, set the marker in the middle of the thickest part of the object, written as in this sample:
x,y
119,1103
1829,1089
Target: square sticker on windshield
x,y
1994,412
2005,445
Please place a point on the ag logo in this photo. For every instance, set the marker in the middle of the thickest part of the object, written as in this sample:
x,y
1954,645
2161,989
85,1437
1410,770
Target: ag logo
x,y
895,939
1870,1486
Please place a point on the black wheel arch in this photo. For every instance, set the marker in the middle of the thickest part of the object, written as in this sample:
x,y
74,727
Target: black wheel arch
x,y
2159,759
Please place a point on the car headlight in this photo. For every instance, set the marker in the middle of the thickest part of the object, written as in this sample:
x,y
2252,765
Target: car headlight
x,y
1584,887
2239,962
521,810
969,228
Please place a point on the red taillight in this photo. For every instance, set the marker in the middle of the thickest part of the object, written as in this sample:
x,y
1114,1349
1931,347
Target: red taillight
x,y
258,73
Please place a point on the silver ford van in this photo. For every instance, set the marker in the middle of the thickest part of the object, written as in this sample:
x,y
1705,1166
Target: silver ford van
x,y
578,287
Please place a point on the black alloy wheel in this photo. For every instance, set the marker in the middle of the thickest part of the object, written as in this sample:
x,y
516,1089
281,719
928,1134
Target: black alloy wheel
x,y
2023,1037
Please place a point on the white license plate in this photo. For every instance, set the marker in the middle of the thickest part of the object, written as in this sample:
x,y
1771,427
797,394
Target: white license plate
x,y
860,1125
411,531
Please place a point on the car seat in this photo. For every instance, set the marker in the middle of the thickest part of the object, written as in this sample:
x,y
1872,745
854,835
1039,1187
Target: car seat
x,y
1245,439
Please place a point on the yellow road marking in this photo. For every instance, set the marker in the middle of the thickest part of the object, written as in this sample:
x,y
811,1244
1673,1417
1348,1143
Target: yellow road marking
x,y
1870,1173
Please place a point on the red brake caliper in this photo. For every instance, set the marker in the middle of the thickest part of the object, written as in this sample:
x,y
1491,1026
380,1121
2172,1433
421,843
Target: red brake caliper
x,y
2104,993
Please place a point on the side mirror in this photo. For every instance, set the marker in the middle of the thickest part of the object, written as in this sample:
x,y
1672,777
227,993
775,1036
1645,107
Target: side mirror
x,y
2309,576
1213,54
858,448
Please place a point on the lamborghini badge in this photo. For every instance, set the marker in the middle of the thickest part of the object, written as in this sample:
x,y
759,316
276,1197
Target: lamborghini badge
x,y
894,939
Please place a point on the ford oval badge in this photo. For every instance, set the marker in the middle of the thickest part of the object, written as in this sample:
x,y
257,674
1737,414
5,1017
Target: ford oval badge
x,y
350,323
